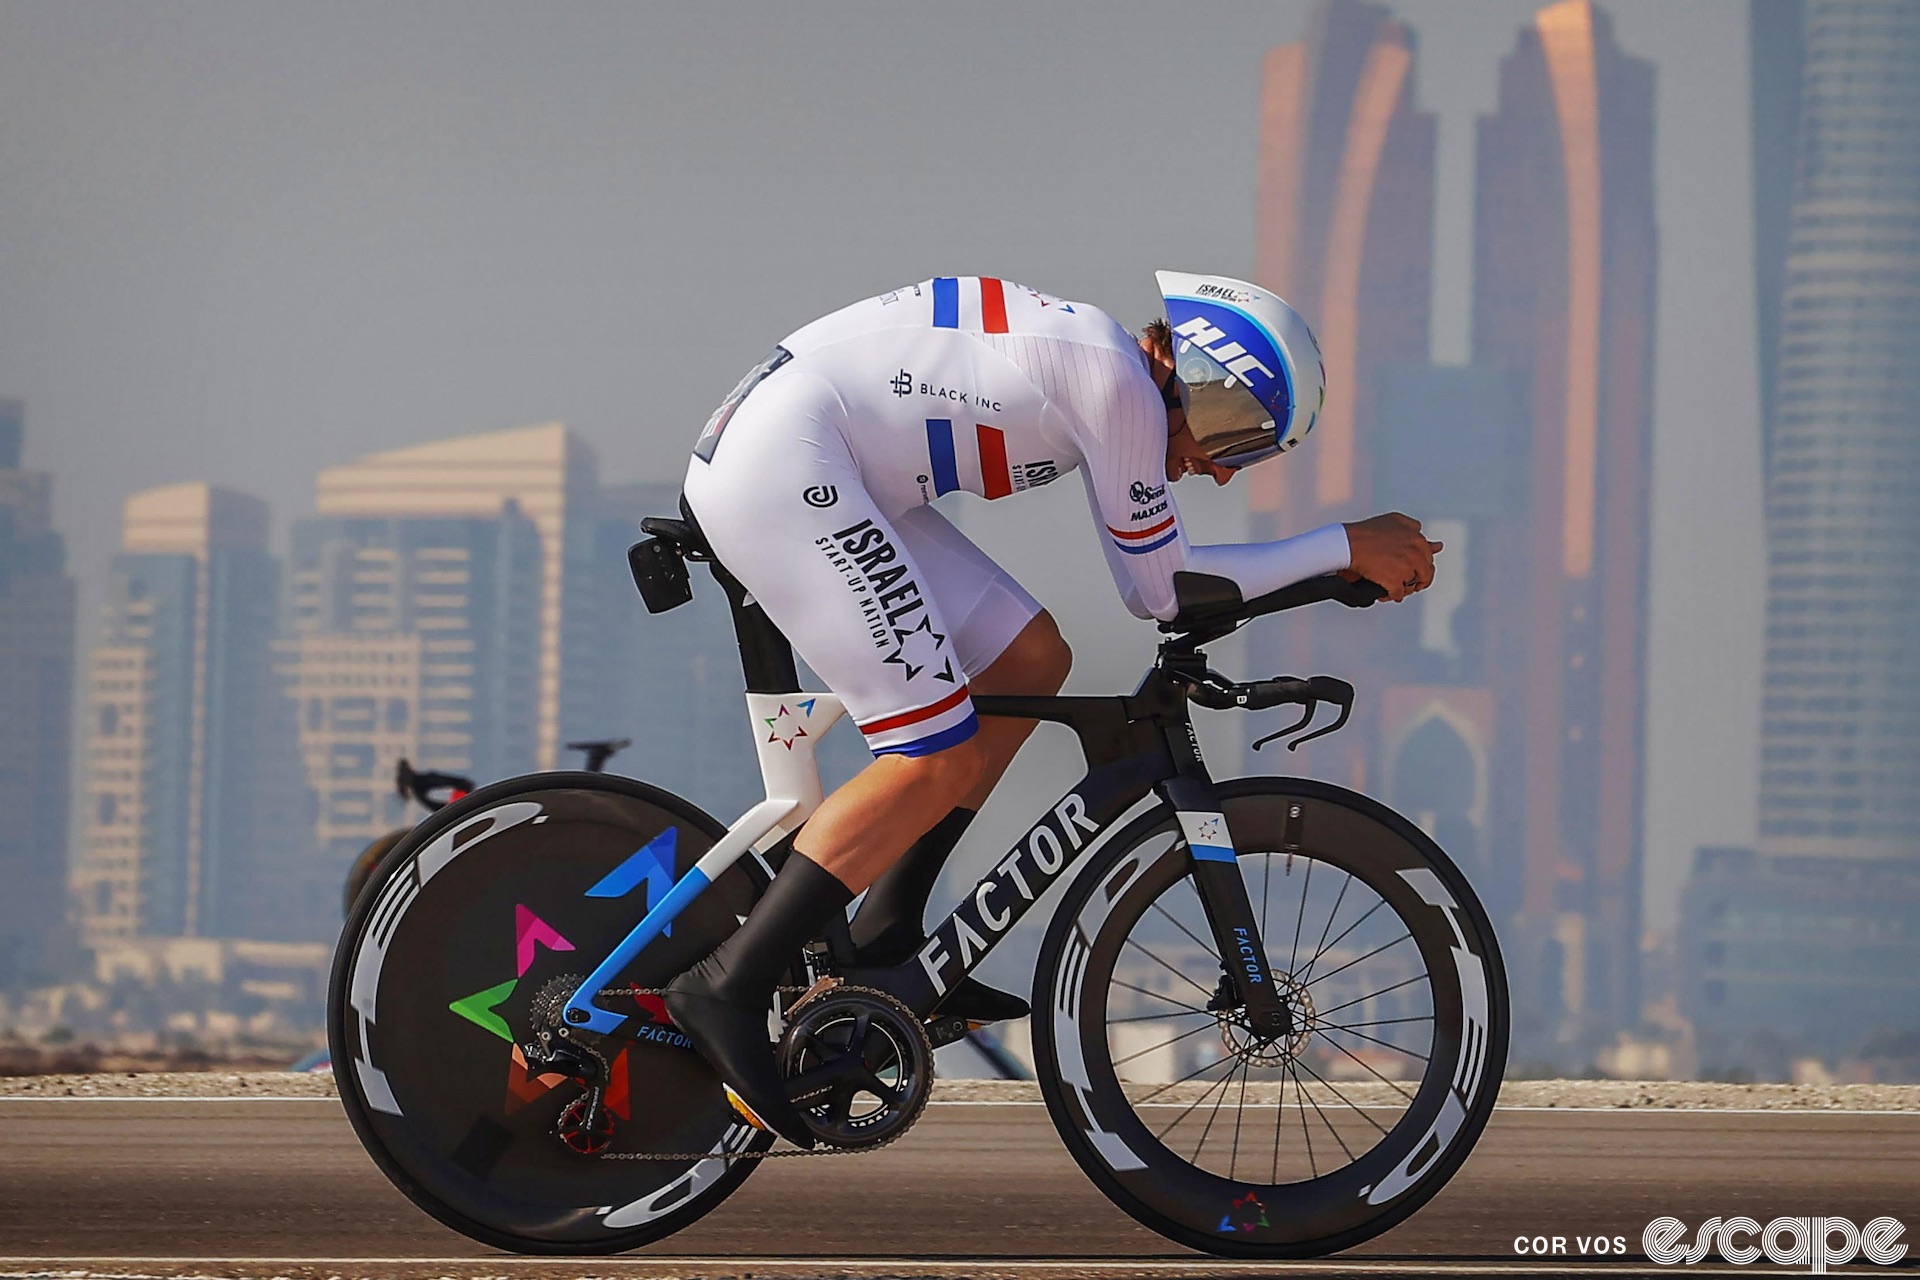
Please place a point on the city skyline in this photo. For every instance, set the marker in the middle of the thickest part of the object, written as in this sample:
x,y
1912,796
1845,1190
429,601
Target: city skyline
x,y
258,303
1383,159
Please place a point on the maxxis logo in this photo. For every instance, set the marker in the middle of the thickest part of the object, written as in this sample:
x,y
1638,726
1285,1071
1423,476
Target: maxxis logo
x,y
1813,1243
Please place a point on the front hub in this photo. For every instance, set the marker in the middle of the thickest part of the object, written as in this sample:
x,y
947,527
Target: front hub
x,y
1269,1048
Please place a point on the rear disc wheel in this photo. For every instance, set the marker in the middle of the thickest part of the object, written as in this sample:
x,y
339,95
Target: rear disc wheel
x,y
435,992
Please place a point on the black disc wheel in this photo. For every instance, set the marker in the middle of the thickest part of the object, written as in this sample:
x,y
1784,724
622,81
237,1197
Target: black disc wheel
x,y
1253,1144
468,929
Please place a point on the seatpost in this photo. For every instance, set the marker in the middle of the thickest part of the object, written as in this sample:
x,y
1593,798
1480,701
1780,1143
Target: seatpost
x,y
766,656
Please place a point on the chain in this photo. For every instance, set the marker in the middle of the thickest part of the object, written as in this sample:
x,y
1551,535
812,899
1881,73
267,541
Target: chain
x,y
749,1155
768,1154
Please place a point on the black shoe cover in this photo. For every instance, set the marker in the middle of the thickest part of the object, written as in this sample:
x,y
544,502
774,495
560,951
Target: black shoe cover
x,y
978,1002
722,1003
733,1040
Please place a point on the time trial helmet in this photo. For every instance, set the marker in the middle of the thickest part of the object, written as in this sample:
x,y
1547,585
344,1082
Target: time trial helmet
x,y
1251,366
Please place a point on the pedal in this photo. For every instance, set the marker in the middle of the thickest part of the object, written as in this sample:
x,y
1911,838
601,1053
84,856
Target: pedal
x,y
945,1031
745,1112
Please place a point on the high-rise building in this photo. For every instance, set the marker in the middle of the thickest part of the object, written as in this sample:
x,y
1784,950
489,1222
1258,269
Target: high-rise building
x,y
415,637
1501,709
606,669
179,704
1793,956
1776,44
1452,448
1840,721
1805,945
1345,233
546,471
1564,253
36,689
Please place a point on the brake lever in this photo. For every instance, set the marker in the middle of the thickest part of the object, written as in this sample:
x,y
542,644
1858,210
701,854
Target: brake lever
x,y
1320,689
1346,709
1313,707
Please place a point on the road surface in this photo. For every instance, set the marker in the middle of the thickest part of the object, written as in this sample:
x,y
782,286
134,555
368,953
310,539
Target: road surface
x,y
263,1187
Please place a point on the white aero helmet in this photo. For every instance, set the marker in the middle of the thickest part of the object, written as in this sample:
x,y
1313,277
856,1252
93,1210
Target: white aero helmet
x,y
1251,367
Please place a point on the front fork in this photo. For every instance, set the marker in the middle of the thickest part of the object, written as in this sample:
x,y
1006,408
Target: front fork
x,y
1223,897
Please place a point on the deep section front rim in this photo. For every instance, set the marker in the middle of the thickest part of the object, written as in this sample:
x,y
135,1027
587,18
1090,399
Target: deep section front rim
x,y
1391,1152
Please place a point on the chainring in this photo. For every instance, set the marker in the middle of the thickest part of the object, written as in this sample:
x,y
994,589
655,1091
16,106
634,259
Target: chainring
x,y
864,1062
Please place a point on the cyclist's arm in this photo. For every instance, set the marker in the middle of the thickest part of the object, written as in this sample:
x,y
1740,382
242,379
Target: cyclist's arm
x,y
1124,450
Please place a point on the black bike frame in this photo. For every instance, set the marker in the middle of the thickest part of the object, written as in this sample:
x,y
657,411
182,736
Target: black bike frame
x,y
1133,745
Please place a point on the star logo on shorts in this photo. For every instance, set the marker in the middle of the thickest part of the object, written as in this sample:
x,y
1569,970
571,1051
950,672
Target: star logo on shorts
x,y
785,726
920,649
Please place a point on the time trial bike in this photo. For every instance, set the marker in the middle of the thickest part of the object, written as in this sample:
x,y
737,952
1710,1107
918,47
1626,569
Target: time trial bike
x,y
1271,1017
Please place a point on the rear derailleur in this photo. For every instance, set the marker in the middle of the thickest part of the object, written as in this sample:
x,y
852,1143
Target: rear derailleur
x,y
554,1047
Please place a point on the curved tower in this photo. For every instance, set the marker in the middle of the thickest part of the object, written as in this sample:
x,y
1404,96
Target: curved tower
x,y
1564,276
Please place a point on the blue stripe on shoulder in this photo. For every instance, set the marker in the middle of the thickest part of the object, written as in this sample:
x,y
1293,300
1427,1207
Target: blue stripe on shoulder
x,y
946,302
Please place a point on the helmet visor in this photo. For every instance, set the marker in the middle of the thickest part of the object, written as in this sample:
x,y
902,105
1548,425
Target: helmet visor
x,y
1227,419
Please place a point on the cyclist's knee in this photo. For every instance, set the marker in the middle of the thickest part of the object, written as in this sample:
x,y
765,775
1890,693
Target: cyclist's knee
x,y
955,768
1036,663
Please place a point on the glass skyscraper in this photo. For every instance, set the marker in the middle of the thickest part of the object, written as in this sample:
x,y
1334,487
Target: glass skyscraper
x,y
36,688
1840,771
1806,945
408,636
179,704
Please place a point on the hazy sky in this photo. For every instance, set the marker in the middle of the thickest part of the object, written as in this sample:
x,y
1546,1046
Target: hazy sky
x,y
242,242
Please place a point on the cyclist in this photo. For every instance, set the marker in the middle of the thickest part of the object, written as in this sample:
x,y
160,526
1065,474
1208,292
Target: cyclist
x,y
811,483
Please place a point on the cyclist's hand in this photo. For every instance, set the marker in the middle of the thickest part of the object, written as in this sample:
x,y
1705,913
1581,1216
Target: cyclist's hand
x,y
1391,551
1185,457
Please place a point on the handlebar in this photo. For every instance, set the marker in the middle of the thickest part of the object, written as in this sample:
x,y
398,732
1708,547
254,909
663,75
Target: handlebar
x,y
1211,689
421,787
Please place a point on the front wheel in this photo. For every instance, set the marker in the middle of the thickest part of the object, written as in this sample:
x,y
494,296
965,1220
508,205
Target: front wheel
x,y
1251,1145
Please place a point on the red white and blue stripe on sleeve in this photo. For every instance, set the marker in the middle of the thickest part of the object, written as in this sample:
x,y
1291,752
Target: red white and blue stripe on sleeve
x,y
923,730
1138,542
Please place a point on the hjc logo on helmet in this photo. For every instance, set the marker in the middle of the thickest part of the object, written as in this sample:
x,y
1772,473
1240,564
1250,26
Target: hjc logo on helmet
x,y
1230,355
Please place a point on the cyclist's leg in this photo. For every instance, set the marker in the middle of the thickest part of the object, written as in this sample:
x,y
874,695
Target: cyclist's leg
x,y
785,511
1007,644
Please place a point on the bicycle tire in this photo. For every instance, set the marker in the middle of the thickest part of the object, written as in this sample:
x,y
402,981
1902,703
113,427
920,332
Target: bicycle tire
x,y
1199,1207
465,918
368,861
